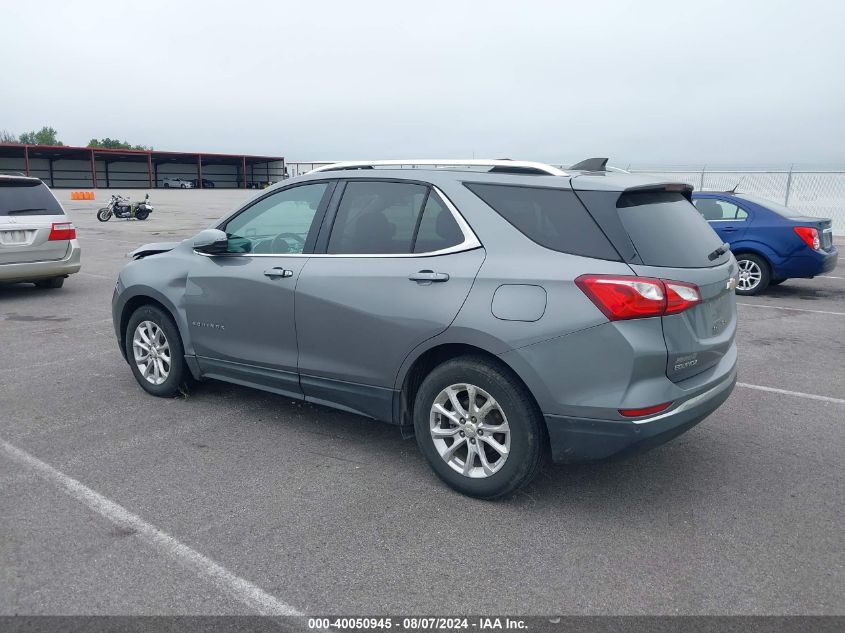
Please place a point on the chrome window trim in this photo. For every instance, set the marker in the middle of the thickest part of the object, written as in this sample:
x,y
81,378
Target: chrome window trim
x,y
470,242
735,220
446,162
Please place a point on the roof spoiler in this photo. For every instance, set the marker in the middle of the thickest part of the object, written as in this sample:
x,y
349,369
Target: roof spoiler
x,y
591,164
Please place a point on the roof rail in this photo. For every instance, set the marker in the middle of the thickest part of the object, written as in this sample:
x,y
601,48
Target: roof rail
x,y
498,165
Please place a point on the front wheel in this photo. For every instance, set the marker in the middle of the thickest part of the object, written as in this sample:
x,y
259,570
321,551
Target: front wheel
x,y
479,428
104,214
155,353
754,274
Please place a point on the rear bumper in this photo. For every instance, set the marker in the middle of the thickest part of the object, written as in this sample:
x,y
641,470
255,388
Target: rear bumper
x,y
31,271
803,266
584,439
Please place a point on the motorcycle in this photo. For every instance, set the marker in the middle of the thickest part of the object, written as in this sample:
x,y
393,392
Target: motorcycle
x,y
122,207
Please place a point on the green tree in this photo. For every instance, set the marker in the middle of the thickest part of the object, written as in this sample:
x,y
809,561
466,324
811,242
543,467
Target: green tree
x,y
8,137
113,143
45,136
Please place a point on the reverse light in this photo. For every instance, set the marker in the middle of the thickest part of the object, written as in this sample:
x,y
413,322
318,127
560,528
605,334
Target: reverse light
x,y
62,231
810,236
622,297
636,413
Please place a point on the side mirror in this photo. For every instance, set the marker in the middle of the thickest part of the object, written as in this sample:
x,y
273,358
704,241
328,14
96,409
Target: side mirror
x,y
211,242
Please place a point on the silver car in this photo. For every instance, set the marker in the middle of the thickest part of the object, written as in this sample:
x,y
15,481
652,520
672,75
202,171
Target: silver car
x,y
498,310
37,240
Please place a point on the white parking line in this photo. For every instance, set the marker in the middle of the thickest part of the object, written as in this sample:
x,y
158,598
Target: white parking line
x,y
239,588
787,392
760,305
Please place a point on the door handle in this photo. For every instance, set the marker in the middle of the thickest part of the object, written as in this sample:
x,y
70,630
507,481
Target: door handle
x,y
278,272
428,276
729,229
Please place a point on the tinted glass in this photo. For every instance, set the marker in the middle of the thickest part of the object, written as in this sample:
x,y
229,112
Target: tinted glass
x,y
667,231
278,224
438,229
553,218
27,199
715,210
376,218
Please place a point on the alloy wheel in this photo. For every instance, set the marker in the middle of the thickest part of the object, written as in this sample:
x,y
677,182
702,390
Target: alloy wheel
x,y
152,352
749,275
470,430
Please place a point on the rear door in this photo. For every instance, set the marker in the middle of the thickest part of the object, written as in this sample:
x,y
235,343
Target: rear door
x,y
28,211
667,239
397,264
728,219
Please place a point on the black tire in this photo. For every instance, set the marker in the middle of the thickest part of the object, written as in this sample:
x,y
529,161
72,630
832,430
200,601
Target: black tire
x,y
183,186
54,282
142,215
528,441
103,215
776,282
178,374
765,274
166,185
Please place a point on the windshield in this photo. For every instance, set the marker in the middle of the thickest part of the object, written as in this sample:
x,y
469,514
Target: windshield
x,y
27,198
773,206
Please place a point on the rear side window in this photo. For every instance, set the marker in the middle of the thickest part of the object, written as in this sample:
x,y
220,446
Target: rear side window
x,y
17,198
376,218
437,229
667,230
553,218
715,210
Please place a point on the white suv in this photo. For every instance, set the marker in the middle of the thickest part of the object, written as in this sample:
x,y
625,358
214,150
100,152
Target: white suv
x,y
179,183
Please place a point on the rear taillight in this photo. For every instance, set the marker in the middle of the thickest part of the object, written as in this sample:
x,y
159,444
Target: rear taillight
x,y
621,297
680,296
810,236
62,231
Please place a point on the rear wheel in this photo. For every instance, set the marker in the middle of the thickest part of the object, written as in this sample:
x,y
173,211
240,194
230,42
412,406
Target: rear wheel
x,y
479,428
142,215
754,274
55,282
155,353
167,185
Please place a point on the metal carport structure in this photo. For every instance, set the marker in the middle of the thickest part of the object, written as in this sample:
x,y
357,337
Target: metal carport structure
x,y
62,166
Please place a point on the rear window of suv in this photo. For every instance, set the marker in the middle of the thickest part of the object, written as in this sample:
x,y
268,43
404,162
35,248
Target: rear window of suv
x,y
553,218
27,198
667,230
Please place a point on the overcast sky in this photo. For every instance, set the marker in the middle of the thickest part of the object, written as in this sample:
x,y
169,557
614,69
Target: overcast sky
x,y
644,82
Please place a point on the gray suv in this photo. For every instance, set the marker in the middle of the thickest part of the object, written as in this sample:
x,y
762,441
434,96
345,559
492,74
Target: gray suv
x,y
500,310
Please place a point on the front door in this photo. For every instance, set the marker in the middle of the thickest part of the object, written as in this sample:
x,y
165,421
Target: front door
x,y
240,304
397,268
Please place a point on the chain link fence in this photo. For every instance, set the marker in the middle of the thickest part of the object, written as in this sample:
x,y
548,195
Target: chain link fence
x,y
816,193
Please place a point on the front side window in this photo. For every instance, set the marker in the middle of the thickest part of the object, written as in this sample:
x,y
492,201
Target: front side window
x,y
278,224
376,218
714,210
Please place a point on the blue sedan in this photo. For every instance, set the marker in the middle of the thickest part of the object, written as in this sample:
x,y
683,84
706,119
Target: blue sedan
x,y
771,242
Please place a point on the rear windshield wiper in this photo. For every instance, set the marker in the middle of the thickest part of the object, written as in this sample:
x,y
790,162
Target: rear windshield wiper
x,y
724,248
16,211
